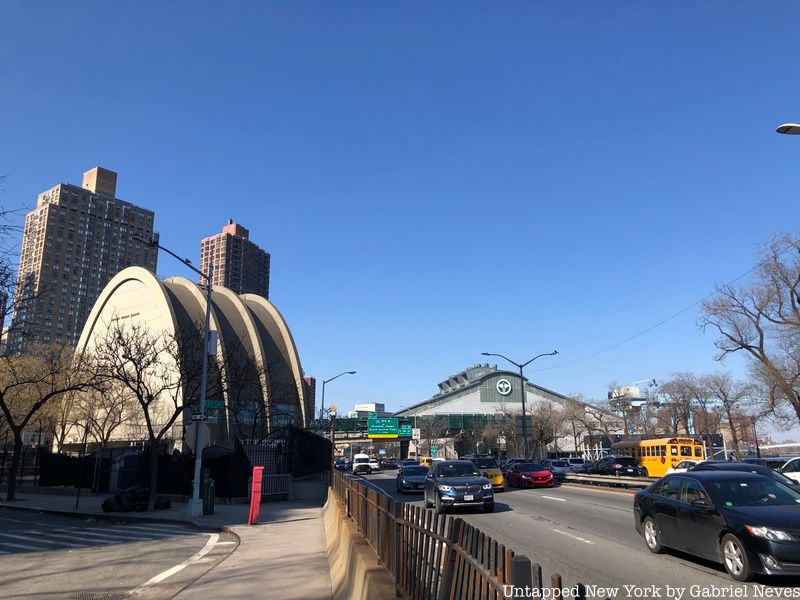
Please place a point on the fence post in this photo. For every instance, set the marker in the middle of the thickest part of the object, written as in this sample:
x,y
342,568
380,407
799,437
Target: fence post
x,y
397,514
450,566
520,573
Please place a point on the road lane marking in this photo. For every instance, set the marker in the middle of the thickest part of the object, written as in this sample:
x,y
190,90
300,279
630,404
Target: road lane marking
x,y
105,536
23,546
213,538
27,538
225,543
574,537
554,498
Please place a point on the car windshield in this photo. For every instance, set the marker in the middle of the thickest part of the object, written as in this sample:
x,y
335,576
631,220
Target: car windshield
x,y
361,460
458,470
576,461
560,463
415,470
530,467
758,492
485,463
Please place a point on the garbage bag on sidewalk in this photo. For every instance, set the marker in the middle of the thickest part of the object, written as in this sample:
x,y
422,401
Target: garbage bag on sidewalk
x,y
132,499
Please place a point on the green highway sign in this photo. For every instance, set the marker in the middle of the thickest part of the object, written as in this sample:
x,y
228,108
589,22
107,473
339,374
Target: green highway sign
x,y
215,404
382,427
404,430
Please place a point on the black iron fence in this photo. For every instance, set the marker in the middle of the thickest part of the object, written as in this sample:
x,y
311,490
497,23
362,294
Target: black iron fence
x,y
438,557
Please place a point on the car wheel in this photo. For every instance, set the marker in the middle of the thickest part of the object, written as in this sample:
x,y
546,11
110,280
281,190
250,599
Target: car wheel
x,y
488,507
644,472
652,536
438,505
734,557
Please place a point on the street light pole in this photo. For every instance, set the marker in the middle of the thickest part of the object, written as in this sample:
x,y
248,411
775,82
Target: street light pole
x,y
521,366
324,381
196,503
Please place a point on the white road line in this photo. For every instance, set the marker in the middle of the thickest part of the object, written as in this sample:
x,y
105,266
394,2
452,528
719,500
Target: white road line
x,y
72,537
27,538
213,538
574,537
23,546
225,543
554,498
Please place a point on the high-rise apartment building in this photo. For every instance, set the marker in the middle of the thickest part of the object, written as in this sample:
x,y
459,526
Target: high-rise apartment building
x,y
238,264
75,240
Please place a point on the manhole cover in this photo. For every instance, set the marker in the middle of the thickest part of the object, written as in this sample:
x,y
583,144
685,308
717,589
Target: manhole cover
x,y
100,596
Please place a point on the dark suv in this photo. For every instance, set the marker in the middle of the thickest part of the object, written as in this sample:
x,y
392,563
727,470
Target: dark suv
x,y
457,483
625,466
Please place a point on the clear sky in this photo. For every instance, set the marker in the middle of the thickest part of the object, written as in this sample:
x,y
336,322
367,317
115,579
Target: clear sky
x,y
433,180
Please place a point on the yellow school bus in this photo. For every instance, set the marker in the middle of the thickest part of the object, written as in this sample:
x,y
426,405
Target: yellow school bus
x,y
658,455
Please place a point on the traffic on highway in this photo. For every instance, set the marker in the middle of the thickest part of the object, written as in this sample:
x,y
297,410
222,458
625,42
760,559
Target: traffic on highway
x,y
714,530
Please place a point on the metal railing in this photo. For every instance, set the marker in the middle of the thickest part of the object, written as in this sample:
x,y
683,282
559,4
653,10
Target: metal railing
x,y
438,557
277,485
637,482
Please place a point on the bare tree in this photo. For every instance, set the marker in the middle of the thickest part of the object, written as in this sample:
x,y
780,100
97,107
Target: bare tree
x,y
574,415
160,370
546,421
678,401
731,395
762,321
29,383
431,428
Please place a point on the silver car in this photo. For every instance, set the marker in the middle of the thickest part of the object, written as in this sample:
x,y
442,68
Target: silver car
x,y
578,465
558,467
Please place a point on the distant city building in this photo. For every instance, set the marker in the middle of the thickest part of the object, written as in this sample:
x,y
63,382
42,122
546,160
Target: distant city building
x,y
238,264
311,395
362,411
74,242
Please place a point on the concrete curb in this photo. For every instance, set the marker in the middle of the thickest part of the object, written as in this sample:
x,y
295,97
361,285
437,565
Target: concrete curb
x,y
107,517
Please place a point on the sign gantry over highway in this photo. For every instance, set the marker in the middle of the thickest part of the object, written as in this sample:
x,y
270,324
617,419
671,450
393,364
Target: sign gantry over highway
x,y
387,428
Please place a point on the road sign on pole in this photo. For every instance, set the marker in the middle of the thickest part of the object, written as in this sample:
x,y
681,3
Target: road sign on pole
x,y
201,416
192,433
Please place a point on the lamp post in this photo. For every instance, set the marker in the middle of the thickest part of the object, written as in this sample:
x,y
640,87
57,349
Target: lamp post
x,y
522,390
789,129
324,381
196,503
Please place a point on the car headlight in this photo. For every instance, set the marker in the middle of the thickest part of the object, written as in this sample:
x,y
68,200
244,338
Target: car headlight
x,y
526,476
487,486
404,482
445,488
773,535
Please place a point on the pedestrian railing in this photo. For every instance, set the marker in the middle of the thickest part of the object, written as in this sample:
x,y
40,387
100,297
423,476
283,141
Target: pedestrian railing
x,y
438,557
277,485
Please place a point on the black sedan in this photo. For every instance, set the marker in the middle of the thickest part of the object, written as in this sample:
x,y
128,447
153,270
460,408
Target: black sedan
x,y
411,478
723,465
747,522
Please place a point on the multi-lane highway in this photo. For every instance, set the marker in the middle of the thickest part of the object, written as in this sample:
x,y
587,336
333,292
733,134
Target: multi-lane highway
x,y
587,535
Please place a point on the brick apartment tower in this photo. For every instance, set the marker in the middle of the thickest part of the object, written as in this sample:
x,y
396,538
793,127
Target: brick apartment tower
x,y
75,240
239,264
311,397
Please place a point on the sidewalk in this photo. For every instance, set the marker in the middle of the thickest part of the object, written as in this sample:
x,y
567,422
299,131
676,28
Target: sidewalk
x,y
285,553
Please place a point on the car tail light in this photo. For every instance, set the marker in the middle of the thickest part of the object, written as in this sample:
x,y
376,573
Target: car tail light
x,y
616,466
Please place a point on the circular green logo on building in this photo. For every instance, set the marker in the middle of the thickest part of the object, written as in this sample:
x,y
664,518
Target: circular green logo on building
x,y
503,387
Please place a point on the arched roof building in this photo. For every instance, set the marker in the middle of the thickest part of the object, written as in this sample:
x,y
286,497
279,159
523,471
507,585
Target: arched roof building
x,y
257,371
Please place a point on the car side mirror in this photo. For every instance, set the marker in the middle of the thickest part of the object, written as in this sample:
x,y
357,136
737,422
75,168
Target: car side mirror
x,y
700,503
429,476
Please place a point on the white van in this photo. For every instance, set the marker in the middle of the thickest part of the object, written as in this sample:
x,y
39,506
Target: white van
x,y
361,464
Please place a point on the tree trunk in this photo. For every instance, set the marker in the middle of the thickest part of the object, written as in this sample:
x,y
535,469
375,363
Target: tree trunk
x,y
11,491
151,500
734,437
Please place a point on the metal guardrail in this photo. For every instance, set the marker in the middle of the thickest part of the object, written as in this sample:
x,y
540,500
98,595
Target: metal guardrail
x,y
639,482
438,557
277,485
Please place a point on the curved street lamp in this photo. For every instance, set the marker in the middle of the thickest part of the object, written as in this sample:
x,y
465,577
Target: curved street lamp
x,y
789,128
324,381
521,366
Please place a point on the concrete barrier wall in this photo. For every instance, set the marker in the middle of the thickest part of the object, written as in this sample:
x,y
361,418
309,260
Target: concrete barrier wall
x,y
355,572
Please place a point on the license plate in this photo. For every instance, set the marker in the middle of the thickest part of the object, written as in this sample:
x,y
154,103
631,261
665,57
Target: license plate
x,y
468,497
630,470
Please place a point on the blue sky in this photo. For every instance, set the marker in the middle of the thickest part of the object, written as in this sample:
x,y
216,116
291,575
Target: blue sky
x,y
433,180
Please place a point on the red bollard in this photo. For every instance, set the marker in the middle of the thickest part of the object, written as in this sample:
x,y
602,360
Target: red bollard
x,y
255,495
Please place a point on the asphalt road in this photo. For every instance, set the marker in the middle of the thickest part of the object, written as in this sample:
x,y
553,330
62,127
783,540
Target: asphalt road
x,y
46,557
587,535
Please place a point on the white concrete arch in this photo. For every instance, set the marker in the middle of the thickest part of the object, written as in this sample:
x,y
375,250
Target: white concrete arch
x,y
273,321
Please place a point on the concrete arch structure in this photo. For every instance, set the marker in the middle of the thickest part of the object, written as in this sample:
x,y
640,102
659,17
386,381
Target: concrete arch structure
x,y
251,333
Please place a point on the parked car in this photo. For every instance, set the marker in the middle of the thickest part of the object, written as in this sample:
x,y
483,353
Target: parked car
x,y
489,468
457,483
743,520
529,474
411,478
578,465
682,466
743,467
558,467
361,464
132,499
617,465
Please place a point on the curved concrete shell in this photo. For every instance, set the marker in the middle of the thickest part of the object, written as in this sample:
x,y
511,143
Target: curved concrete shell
x,y
257,371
